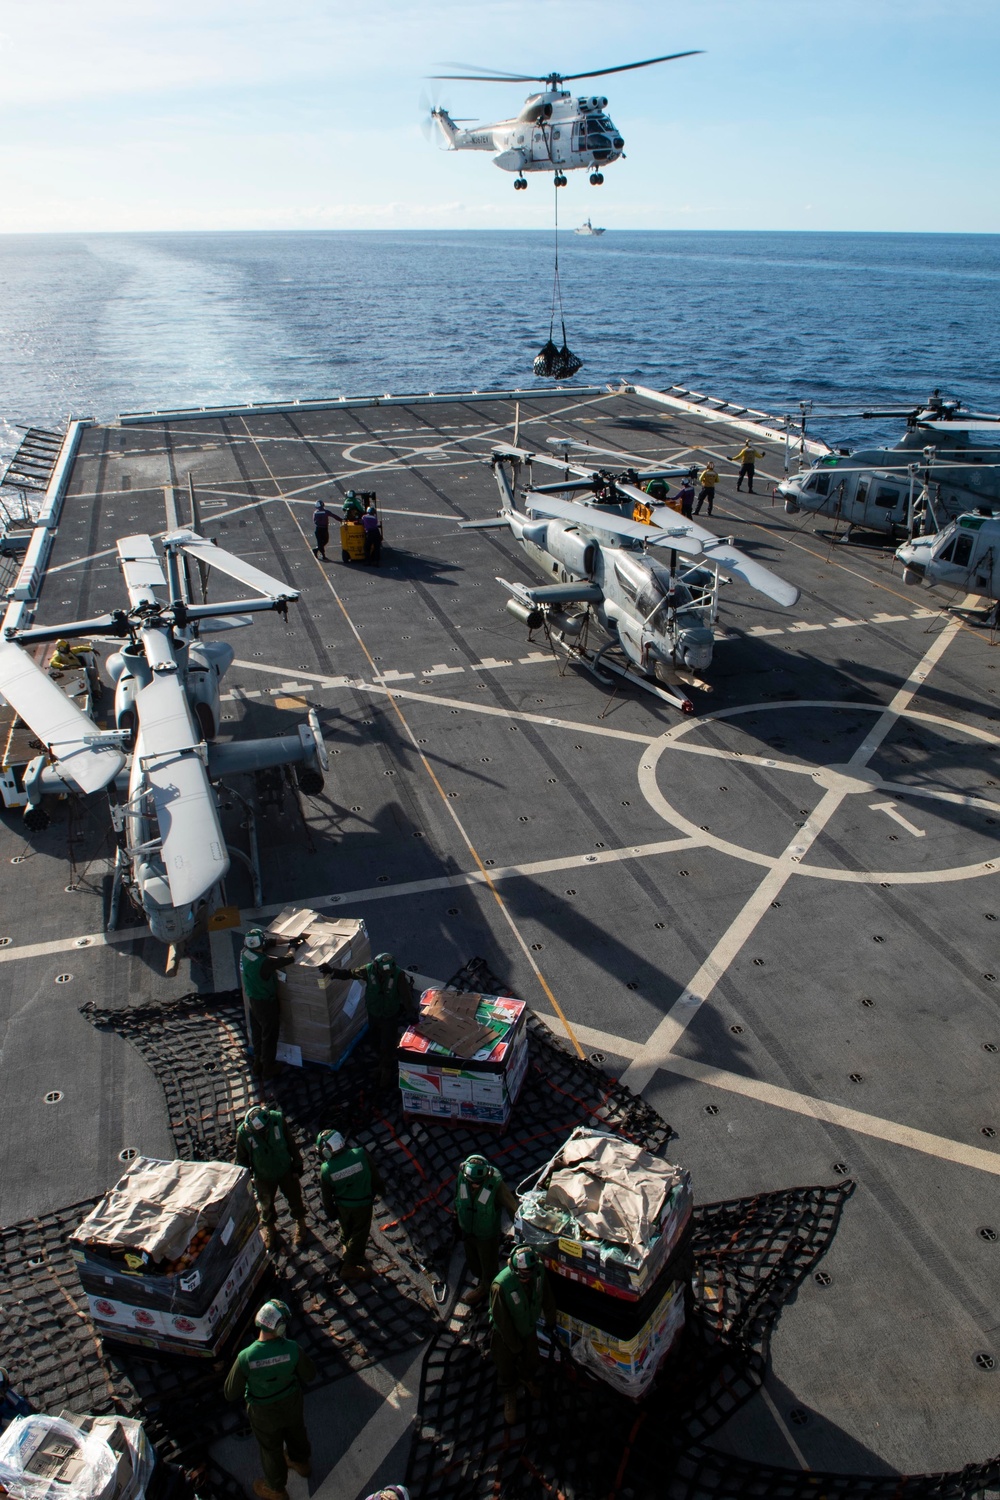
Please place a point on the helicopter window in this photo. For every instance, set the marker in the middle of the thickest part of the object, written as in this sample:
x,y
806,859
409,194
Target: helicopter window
x,y
628,584
886,497
819,484
861,494
963,551
948,553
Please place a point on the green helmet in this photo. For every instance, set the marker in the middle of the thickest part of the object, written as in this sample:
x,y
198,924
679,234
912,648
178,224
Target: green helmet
x,y
475,1168
523,1261
256,1117
385,961
330,1143
274,1316
255,939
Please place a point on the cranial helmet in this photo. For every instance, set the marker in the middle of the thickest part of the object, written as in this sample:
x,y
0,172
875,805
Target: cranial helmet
x,y
350,495
273,1316
391,1492
475,1168
385,961
62,645
256,1118
370,510
254,939
523,1260
330,1143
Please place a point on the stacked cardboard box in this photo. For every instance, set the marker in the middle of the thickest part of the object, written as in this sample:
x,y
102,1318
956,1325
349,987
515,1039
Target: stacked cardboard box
x,y
612,1225
75,1458
465,1057
170,1256
321,1018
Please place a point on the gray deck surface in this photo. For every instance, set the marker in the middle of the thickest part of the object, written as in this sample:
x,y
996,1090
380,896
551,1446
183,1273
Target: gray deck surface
x,y
639,857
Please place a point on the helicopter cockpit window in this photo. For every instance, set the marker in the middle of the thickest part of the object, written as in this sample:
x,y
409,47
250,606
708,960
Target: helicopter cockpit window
x,y
819,484
886,497
628,583
963,551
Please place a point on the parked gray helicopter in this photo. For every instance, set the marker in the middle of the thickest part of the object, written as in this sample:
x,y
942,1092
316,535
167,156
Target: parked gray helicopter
x,y
606,556
965,555
159,761
947,461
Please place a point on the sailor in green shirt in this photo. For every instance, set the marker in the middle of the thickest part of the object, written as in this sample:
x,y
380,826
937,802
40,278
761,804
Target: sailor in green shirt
x,y
348,1182
388,1002
269,1376
259,971
481,1195
269,1151
519,1296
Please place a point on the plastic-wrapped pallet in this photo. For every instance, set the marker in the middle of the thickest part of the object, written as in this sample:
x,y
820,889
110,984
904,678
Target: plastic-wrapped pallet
x,y
465,1057
321,1018
170,1256
606,1213
75,1458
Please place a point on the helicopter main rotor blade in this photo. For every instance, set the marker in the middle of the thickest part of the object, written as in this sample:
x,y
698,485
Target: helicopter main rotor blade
x,y
482,78
633,460
731,560
65,730
192,545
193,847
141,568
627,67
680,539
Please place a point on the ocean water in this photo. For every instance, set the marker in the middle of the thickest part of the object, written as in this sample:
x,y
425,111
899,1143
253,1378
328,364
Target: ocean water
x,y
97,324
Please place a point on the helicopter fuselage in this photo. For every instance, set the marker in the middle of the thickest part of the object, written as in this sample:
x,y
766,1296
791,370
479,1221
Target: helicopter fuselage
x,y
964,555
555,132
877,489
635,609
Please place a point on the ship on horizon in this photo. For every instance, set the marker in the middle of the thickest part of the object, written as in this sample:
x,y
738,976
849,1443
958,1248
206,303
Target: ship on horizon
x,y
587,228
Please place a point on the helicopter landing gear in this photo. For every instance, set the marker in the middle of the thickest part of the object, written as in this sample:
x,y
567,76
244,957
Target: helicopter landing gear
x,y
520,182
561,180
596,178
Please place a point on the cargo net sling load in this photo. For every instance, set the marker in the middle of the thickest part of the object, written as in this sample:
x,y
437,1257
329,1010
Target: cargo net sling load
x,y
551,362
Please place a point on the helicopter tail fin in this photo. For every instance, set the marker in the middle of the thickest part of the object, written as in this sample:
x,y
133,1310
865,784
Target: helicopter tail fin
x,y
445,124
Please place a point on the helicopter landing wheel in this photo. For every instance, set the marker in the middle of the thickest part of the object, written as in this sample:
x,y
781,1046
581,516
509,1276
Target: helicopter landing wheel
x,y
560,180
596,178
520,182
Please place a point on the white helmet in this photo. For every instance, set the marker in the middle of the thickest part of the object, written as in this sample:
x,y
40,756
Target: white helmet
x,y
254,939
273,1316
330,1143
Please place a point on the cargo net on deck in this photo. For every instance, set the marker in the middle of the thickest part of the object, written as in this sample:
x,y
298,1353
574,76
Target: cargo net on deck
x,y
583,1441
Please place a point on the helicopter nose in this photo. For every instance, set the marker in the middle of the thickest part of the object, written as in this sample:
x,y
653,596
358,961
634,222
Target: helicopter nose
x,y
618,143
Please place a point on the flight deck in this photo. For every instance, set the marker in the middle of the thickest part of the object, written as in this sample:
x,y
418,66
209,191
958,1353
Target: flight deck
x,y
776,918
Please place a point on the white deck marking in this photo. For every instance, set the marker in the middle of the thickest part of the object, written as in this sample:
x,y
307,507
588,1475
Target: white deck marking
x,y
68,945
668,1033
823,1110
782,1427
351,1475
476,877
889,808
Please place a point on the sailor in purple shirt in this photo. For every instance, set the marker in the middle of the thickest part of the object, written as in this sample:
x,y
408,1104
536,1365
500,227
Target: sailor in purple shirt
x,y
373,536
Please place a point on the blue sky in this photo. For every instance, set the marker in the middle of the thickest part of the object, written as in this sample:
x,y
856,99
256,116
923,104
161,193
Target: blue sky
x,y
300,114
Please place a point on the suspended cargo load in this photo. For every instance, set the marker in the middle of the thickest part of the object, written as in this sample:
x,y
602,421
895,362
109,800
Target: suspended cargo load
x,y
556,364
465,1057
169,1257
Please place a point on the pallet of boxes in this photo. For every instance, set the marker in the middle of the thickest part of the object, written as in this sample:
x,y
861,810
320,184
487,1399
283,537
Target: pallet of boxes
x,y
75,1458
169,1258
322,1019
464,1057
612,1226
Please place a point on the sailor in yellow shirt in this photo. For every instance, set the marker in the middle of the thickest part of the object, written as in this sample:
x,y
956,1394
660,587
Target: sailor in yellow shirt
x,y
708,479
746,458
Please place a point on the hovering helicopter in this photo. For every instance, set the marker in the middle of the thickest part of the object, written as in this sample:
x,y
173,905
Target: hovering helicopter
x,y
659,615
159,762
947,460
965,554
554,132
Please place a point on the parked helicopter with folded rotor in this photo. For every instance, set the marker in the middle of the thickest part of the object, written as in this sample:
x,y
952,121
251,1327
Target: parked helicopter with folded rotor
x,y
604,546
947,461
160,761
554,132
